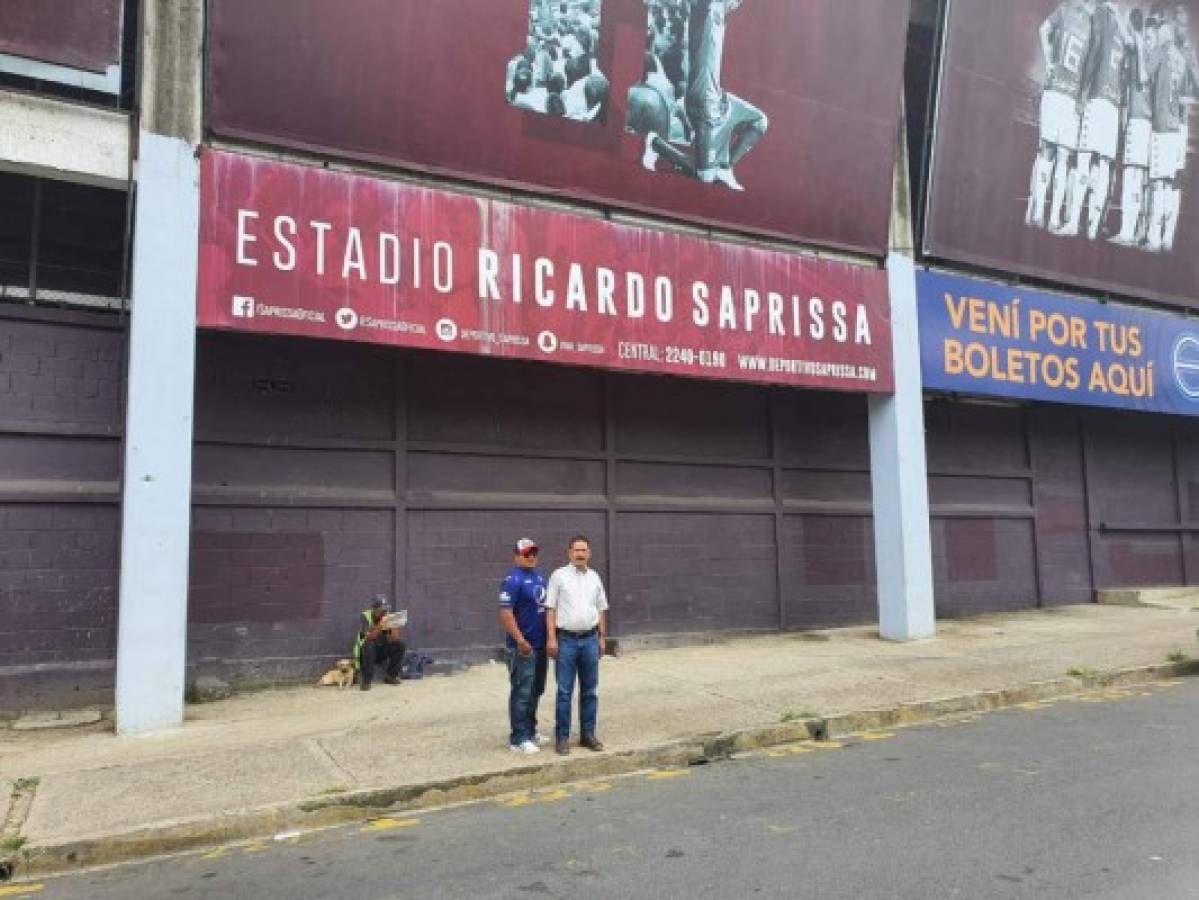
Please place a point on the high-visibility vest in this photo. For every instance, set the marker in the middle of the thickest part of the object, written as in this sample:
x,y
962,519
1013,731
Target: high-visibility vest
x,y
361,639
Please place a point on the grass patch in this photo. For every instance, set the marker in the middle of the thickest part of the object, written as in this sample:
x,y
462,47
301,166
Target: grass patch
x,y
13,843
24,785
1177,657
1083,673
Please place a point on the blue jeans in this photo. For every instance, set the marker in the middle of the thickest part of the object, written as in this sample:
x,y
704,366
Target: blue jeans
x,y
526,676
577,655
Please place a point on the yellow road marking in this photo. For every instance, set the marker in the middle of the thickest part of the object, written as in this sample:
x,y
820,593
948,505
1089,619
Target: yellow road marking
x,y
668,773
876,736
516,802
386,824
1031,706
790,750
553,796
21,890
254,848
597,787
827,745
216,854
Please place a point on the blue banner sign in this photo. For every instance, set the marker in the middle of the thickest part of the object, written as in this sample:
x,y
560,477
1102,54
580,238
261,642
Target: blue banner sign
x,y
979,337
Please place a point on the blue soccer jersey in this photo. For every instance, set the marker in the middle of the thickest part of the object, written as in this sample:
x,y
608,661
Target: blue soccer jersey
x,y
523,592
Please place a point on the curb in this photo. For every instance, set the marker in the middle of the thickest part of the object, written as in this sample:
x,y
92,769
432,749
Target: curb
x,y
356,806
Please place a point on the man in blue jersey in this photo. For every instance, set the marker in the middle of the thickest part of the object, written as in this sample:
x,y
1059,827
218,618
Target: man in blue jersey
x,y
522,613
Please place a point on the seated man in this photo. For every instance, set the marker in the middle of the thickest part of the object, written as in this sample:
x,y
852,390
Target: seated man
x,y
377,644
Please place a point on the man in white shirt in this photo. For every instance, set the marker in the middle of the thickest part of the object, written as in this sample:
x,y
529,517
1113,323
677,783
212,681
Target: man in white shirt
x,y
576,637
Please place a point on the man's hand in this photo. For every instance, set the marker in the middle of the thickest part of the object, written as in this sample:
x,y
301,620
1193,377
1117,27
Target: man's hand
x,y
551,648
524,648
603,644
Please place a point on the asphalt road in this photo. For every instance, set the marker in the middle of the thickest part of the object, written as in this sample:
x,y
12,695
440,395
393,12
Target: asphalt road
x,y
1096,797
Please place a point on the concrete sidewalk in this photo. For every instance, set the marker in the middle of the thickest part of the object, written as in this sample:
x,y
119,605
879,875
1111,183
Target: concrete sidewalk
x,y
307,757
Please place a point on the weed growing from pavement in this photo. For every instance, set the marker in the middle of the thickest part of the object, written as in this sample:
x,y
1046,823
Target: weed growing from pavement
x,y
23,785
791,715
1177,657
12,843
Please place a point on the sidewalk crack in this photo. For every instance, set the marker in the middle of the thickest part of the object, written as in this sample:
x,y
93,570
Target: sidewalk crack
x,y
328,761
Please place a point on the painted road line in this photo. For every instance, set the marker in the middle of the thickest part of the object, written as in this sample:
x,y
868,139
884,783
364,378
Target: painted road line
x,y
21,890
386,824
528,799
668,773
876,736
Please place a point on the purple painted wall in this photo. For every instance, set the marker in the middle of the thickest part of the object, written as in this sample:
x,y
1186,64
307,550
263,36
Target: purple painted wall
x,y
327,472
60,389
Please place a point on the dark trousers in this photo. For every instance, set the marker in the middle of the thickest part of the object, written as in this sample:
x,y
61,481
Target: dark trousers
x,y
526,677
382,651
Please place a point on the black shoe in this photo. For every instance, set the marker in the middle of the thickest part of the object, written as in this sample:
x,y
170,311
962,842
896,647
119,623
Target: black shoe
x,y
562,748
391,679
366,686
591,742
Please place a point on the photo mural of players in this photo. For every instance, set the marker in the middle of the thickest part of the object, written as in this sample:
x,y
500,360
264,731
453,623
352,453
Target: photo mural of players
x,y
690,124
557,73
1118,81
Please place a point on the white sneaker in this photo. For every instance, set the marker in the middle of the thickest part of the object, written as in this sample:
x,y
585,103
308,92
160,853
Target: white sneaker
x,y
529,747
540,739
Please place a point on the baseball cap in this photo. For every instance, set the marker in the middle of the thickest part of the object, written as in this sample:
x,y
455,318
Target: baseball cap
x,y
525,547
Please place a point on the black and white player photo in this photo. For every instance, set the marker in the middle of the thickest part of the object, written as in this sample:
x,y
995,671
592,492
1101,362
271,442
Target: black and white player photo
x,y
1119,80
557,73
689,123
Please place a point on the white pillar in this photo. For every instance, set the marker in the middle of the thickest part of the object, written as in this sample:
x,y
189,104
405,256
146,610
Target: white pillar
x,y
899,476
156,495
156,510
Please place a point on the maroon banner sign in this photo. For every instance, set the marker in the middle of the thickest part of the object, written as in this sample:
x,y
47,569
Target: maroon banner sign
x,y
1063,145
300,250
772,116
81,34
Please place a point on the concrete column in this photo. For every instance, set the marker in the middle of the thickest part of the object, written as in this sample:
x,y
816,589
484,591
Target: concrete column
x,y
898,468
156,497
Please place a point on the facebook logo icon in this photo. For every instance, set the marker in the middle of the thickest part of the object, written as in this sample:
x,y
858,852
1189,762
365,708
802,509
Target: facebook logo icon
x,y
243,307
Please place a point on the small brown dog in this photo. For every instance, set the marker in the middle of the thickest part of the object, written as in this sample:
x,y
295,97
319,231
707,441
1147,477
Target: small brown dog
x,y
341,675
